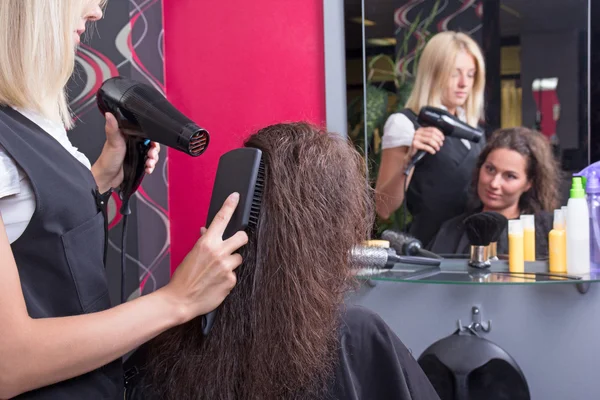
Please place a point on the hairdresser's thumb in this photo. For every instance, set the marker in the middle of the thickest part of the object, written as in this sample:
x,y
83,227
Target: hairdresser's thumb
x,y
114,137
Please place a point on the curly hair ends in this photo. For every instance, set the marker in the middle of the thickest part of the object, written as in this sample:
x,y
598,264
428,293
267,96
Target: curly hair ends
x,y
543,170
276,334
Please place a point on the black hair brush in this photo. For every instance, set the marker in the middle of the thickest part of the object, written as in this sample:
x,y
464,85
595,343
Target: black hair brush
x,y
481,229
502,223
243,171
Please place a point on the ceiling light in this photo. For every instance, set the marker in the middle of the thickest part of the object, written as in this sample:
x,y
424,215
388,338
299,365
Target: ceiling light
x,y
359,20
389,41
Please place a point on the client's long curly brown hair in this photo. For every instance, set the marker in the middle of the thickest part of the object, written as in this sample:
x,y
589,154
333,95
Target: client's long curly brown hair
x,y
275,335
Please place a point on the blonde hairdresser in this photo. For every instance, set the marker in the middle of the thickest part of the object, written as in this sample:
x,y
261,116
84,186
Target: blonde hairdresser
x,y
40,355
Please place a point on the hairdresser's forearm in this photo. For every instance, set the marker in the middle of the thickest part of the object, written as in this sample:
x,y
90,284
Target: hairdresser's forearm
x,y
55,349
390,195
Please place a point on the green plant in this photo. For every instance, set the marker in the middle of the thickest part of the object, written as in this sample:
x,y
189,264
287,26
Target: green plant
x,y
381,103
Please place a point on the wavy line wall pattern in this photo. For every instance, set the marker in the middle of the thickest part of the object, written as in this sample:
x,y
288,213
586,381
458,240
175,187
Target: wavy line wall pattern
x,y
460,15
127,42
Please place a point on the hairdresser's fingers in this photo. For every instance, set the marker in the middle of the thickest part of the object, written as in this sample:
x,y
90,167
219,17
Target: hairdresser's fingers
x,y
425,142
219,223
154,151
418,145
436,134
202,231
233,261
433,137
152,157
235,242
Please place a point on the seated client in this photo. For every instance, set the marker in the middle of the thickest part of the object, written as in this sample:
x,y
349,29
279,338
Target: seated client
x,y
516,174
284,332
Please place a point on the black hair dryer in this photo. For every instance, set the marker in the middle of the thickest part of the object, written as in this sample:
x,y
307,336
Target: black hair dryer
x,y
145,115
448,124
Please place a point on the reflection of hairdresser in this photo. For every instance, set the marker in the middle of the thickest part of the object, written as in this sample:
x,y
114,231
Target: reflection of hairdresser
x,y
451,75
283,332
516,174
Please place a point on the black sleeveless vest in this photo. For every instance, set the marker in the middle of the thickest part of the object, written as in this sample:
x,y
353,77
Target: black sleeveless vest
x,y
60,254
440,185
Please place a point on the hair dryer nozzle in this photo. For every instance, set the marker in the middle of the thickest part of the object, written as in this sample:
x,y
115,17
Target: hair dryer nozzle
x,y
144,112
448,124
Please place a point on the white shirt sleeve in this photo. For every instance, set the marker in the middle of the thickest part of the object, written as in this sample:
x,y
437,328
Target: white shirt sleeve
x,y
17,200
9,175
397,131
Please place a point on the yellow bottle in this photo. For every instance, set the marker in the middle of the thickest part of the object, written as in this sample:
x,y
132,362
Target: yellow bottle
x,y
529,236
557,249
564,216
516,260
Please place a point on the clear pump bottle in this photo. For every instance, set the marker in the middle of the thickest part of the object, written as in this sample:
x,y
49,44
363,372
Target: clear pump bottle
x,y
593,199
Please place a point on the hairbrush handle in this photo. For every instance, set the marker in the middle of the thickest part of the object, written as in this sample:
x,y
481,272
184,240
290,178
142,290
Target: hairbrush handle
x,y
207,322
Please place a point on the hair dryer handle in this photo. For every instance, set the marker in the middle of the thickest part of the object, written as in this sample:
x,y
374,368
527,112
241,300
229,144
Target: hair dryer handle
x,y
134,166
207,322
415,159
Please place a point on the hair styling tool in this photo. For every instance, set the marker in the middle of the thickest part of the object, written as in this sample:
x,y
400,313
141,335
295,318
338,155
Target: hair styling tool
x,y
481,228
242,171
448,124
384,258
502,222
406,244
145,115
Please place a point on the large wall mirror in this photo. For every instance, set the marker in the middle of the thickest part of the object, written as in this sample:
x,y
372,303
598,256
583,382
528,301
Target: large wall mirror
x,y
536,55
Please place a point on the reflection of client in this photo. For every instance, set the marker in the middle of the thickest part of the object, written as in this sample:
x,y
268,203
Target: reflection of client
x,y
451,75
516,174
283,332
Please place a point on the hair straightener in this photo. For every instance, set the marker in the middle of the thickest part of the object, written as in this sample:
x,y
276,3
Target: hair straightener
x,y
243,171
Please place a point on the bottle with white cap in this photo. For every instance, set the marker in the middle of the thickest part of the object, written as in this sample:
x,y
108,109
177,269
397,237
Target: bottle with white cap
x,y
529,236
557,248
516,260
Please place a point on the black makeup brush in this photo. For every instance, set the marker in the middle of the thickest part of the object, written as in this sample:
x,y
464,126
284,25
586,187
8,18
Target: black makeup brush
x,y
502,223
481,228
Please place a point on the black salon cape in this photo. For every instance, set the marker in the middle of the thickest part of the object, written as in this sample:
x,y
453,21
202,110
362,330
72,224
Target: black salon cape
x,y
452,238
373,363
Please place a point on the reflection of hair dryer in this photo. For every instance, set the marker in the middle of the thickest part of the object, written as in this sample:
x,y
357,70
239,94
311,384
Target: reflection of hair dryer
x,y
448,124
145,115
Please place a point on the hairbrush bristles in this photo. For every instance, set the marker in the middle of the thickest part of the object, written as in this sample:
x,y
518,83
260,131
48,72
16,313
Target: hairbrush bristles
x,y
259,188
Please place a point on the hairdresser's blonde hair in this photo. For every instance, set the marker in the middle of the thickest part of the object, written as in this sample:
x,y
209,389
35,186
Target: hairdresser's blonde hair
x,y
37,54
435,68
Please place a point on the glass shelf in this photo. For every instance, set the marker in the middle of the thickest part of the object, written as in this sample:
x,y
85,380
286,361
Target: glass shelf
x,y
458,271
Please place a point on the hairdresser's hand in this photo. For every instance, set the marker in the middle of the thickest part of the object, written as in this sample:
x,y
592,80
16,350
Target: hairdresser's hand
x,y
206,275
108,169
429,139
